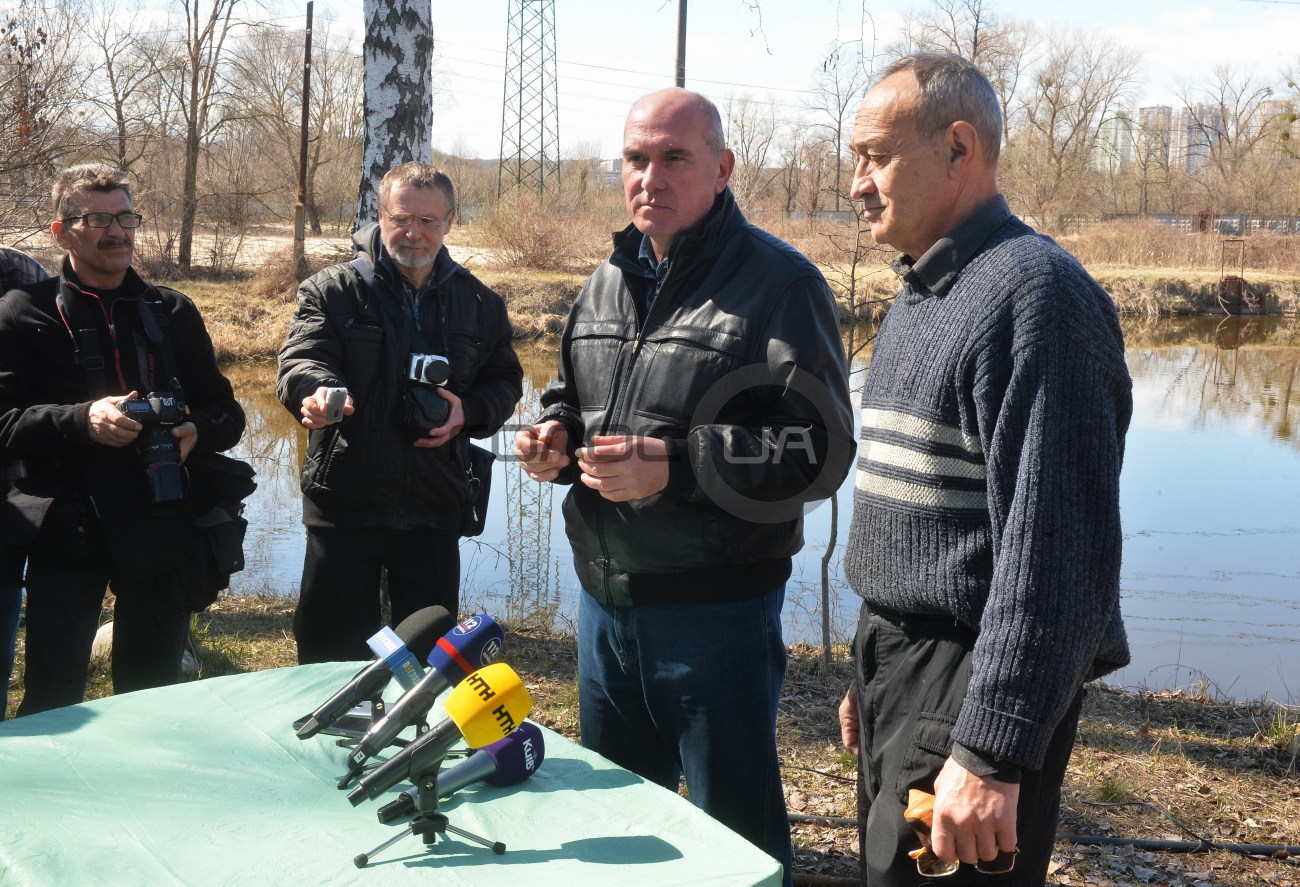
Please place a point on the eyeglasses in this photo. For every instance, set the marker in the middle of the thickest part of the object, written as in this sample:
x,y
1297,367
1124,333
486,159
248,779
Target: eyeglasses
x,y
426,223
920,816
105,220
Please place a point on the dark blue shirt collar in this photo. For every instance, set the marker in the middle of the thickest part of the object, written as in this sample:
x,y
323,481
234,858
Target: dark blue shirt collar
x,y
646,257
937,269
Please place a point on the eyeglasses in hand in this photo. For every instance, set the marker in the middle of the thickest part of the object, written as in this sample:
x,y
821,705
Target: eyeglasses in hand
x,y
920,816
104,220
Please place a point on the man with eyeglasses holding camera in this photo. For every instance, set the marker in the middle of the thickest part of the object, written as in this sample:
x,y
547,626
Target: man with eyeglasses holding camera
x,y
73,350
424,352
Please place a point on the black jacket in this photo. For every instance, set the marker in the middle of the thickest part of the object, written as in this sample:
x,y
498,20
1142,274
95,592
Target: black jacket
x,y
45,402
364,471
740,367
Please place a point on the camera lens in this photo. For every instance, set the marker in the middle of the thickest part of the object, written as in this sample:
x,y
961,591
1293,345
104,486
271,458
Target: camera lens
x,y
161,455
434,370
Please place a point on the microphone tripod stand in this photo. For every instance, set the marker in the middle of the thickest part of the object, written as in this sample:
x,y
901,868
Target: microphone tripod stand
x,y
428,822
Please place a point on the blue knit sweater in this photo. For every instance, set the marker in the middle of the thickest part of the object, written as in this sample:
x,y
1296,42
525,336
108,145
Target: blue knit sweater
x,y
993,421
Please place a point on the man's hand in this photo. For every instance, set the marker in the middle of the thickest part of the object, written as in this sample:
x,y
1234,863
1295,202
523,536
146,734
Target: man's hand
x,y
622,467
187,435
109,425
436,437
313,409
543,450
974,816
849,719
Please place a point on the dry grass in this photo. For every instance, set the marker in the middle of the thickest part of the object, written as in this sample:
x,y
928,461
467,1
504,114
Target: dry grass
x,y
531,235
538,259
1224,770
1150,245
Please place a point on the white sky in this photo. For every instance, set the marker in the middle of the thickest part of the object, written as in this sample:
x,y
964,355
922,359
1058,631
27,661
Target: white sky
x,y
610,53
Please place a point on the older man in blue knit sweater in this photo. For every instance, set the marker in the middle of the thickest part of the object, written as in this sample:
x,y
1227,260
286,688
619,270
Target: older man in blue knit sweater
x,y
986,535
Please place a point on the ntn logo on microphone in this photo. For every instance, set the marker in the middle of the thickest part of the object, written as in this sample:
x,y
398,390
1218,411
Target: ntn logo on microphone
x,y
480,686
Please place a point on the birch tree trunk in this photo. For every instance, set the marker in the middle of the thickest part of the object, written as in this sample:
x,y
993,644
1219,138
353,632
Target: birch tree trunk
x,y
205,39
398,93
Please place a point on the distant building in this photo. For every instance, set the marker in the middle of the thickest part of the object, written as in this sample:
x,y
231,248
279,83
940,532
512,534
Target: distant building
x,y
1113,149
1154,124
613,169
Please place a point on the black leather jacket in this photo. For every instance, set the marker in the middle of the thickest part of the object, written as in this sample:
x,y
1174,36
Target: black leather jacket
x,y
740,367
364,471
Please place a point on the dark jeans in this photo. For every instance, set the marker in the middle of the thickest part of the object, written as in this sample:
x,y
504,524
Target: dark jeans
x,y
911,678
11,605
150,629
338,604
692,689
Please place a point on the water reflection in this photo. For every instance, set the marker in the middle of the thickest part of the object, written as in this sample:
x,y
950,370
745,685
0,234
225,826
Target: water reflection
x,y
1211,507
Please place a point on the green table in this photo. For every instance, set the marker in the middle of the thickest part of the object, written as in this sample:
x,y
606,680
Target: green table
x,y
205,783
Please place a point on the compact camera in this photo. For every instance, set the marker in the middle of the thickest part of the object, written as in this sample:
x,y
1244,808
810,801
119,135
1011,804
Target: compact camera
x,y
428,369
335,400
159,412
421,407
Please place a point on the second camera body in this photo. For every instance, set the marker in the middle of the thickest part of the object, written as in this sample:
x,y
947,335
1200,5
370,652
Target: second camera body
x,y
423,408
428,369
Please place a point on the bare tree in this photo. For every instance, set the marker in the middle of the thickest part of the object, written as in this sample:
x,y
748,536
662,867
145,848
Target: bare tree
x,y
398,92
40,83
970,28
266,70
751,132
1082,81
127,62
1232,138
841,82
202,58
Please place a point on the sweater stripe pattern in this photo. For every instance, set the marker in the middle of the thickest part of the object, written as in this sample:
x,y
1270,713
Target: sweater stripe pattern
x,y
921,463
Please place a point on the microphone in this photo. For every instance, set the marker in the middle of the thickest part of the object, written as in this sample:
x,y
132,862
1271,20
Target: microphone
x,y
415,635
469,646
486,706
505,762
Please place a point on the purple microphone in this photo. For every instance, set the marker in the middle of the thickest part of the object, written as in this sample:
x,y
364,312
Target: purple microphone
x,y
507,761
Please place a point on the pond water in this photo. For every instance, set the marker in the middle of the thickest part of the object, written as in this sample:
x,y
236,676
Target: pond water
x,y
1210,498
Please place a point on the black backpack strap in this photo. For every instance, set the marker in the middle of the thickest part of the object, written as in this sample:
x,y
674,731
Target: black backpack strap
x,y
81,326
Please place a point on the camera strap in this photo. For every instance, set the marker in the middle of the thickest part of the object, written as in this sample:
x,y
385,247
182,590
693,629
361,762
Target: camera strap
x,y
82,327
157,324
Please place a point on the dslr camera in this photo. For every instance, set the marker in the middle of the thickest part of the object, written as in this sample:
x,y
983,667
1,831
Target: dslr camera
x,y
160,453
422,408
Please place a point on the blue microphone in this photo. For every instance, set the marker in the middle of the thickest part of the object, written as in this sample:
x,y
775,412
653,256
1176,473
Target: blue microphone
x,y
469,646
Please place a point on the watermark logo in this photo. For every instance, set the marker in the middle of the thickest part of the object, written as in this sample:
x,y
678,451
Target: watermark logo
x,y
791,446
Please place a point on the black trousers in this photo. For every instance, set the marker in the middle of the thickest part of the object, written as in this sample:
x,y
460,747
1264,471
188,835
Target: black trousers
x,y
912,677
338,604
150,629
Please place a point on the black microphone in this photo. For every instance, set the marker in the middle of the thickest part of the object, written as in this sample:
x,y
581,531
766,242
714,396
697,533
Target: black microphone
x,y
415,636
505,762
486,706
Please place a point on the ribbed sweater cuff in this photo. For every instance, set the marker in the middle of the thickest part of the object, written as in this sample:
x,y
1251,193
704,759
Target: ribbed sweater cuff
x,y
1002,736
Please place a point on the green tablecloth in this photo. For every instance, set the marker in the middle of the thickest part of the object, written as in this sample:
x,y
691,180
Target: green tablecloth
x,y
205,783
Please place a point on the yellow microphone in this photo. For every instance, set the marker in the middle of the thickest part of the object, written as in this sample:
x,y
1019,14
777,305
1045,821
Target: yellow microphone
x,y
488,705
